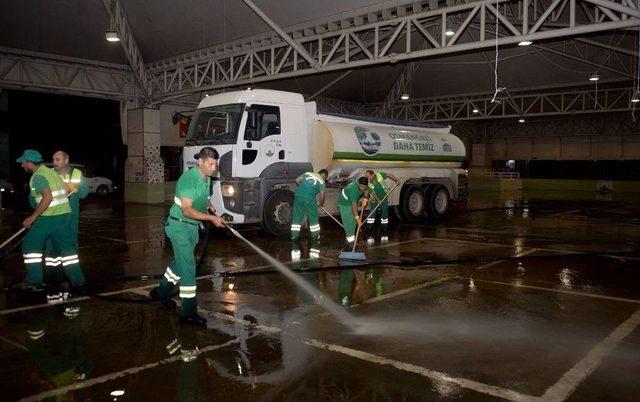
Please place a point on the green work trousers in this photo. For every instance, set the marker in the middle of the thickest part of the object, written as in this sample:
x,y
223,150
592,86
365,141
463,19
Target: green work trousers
x,y
348,221
64,252
182,269
304,206
383,211
73,226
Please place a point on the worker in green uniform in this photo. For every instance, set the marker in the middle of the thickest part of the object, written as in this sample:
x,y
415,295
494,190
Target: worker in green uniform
x,y
378,189
49,220
348,206
191,201
77,188
76,185
310,186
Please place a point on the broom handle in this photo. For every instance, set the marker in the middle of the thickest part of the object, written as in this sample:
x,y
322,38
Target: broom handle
x,y
383,198
12,237
22,230
355,242
332,217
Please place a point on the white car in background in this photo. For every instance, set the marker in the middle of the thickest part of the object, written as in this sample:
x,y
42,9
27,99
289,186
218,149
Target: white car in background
x,y
97,184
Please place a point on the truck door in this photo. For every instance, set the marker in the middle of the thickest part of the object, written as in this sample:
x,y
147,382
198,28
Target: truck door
x,y
262,144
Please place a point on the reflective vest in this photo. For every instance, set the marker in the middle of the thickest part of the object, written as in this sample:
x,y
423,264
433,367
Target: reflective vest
x,y
75,177
380,180
60,203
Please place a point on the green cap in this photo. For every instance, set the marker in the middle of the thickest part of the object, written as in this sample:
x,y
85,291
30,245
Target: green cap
x,y
30,155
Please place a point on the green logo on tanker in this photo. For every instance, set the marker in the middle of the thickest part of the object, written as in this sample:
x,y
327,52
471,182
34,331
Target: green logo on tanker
x,y
369,141
446,147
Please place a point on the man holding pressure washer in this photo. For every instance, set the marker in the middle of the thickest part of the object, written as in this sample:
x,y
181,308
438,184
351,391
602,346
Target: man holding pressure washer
x,y
191,202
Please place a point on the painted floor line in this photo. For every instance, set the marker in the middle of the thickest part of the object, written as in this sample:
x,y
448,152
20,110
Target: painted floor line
x,y
112,293
401,292
431,374
520,254
476,242
569,292
119,374
565,213
570,381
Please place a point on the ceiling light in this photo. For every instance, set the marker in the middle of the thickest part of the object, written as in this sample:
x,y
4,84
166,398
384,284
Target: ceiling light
x,y
475,110
525,43
112,36
405,97
594,77
449,32
520,120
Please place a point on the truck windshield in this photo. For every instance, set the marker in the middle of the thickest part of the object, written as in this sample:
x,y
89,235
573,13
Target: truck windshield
x,y
215,125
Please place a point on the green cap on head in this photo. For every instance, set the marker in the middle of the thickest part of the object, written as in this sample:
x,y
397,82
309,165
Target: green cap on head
x,y
30,155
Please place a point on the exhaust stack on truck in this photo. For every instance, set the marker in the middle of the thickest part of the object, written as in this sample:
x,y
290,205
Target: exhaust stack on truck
x,y
267,138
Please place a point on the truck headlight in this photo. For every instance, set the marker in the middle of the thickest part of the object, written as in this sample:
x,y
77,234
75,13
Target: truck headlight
x,y
228,190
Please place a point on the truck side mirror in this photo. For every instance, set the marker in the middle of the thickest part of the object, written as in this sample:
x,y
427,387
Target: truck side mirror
x,y
252,119
252,124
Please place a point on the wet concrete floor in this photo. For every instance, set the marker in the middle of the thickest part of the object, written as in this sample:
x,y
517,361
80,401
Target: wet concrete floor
x,y
505,300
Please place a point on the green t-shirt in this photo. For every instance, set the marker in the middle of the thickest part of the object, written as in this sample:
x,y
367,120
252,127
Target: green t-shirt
x,y
191,185
39,183
379,187
350,194
310,185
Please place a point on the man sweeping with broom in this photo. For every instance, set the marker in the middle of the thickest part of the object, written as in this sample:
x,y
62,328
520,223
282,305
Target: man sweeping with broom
x,y
348,206
378,190
310,186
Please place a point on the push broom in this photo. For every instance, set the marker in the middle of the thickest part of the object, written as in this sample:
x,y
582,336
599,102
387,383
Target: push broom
x,y
352,255
361,256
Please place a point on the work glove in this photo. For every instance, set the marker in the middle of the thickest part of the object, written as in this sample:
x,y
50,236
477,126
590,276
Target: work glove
x,y
359,220
71,187
364,202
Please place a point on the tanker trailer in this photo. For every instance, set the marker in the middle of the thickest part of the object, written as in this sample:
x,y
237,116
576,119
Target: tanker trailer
x,y
267,138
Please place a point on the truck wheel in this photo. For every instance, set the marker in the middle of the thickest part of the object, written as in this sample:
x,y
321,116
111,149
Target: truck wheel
x,y
438,201
276,218
412,204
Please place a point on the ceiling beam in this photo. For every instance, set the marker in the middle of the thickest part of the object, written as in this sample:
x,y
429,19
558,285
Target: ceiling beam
x,y
331,50
628,52
282,33
611,96
43,72
329,85
128,42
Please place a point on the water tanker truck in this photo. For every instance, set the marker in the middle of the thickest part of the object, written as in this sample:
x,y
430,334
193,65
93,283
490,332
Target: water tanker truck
x,y
267,138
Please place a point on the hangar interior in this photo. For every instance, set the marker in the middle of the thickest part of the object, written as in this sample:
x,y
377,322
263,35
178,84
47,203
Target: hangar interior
x,y
523,291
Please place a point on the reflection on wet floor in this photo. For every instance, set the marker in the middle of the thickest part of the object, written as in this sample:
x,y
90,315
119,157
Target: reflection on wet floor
x,y
506,299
